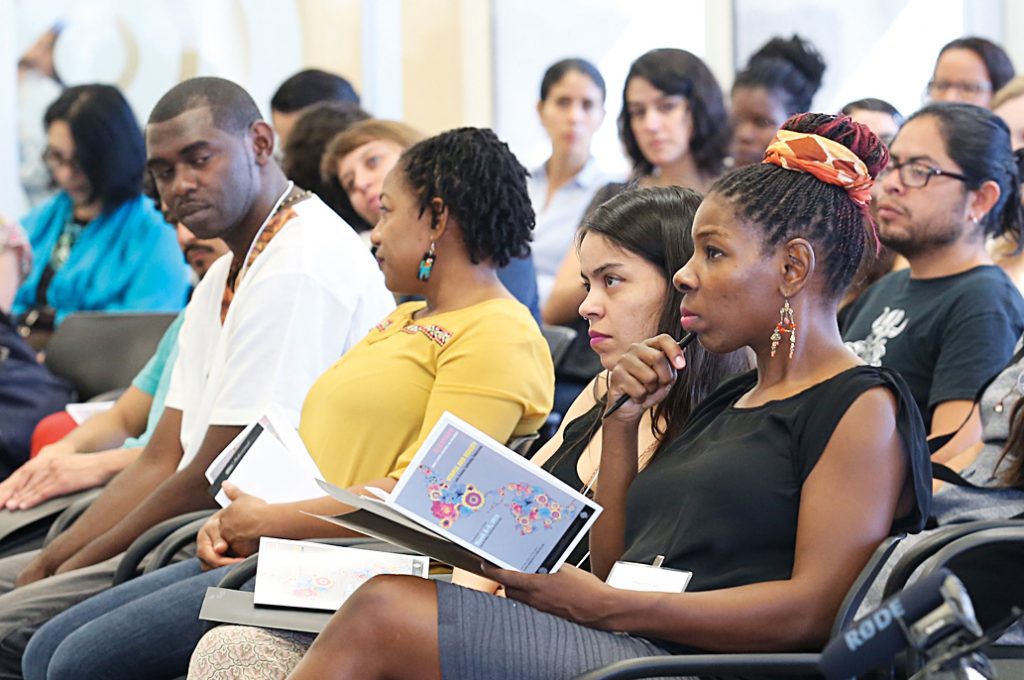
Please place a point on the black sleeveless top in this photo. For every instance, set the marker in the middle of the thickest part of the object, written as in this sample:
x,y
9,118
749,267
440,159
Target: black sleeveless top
x,y
562,464
722,500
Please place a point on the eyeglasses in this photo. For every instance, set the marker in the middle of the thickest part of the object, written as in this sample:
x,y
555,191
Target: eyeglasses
x,y
970,89
54,160
915,174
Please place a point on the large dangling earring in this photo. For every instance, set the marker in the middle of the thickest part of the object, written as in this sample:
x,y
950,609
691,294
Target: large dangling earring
x,y
787,325
427,264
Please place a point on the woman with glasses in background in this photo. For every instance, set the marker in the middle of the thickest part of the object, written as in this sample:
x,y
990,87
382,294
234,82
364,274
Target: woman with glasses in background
x,y
969,70
99,244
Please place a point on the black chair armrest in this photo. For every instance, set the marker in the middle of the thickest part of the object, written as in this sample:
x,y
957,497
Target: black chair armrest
x,y
928,546
71,513
243,571
128,568
1011,531
162,555
859,590
781,665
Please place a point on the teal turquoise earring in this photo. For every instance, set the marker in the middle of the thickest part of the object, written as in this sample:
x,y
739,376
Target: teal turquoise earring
x,y
426,264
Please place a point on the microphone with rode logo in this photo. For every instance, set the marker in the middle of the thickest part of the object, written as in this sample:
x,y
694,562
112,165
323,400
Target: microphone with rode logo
x,y
922,615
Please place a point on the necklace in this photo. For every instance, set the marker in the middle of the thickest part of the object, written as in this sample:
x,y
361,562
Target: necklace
x,y
286,199
641,462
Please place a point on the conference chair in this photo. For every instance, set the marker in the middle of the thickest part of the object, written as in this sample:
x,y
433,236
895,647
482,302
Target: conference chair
x,y
988,556
34,528
559,339
783,665
98,352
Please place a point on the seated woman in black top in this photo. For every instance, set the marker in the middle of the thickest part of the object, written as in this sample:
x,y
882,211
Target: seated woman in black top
x,y
629,248
774,495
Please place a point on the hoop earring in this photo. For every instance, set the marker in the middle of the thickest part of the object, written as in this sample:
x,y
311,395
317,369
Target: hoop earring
x,y
426,264
787,325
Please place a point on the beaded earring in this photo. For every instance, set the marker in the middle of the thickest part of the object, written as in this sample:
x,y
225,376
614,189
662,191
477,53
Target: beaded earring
x,y
786,324
427,264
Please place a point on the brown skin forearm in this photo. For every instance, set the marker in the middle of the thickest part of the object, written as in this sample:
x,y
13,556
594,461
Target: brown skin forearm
x,y
125,492
763,617
182,491
618,469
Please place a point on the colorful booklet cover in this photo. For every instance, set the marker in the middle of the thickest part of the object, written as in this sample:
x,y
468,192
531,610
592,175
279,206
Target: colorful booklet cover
x,y
466,498
307,575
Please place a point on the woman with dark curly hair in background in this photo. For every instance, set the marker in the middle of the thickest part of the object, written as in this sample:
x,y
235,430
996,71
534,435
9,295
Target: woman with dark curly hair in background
x,y
780,80
454,209
675,131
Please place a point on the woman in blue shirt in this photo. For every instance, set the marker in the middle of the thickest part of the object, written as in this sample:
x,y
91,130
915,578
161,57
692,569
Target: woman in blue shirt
x,y
99,244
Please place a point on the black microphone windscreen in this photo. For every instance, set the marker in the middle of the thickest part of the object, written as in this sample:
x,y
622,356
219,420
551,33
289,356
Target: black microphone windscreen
x,y
876,638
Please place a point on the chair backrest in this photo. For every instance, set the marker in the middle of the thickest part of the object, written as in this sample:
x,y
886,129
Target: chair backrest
x,y
859,590
98,351
559,339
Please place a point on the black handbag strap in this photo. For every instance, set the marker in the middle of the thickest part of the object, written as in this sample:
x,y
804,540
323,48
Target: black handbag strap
x,y
936,443
946,474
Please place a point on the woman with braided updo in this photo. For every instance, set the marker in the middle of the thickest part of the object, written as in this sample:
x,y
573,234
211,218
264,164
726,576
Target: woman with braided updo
x,y
774,495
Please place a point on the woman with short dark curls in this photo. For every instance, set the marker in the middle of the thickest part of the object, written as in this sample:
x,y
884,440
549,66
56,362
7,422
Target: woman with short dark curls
x,y
775,494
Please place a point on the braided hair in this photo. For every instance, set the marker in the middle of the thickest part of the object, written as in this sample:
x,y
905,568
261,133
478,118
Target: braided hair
x,y
483,187
786,204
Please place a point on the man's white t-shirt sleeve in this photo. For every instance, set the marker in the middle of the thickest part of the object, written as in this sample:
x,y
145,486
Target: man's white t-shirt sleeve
x,y
285,331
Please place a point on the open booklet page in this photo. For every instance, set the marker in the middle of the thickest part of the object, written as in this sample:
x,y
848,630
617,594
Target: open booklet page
x,y
474,492
268,460
309,575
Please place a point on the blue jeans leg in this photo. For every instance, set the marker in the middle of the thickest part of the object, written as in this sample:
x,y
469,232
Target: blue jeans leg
x,y
146,628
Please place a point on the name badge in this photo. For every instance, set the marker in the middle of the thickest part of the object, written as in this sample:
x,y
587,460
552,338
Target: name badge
x,y
649,578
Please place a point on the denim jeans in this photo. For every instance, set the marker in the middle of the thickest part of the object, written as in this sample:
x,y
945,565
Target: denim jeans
x,y
145,628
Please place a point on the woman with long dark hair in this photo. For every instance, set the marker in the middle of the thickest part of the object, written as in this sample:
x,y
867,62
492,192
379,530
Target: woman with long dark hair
x,y
675,131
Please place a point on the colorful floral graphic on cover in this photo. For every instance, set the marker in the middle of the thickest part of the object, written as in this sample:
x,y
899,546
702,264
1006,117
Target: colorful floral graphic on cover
x,y
316,576
511,510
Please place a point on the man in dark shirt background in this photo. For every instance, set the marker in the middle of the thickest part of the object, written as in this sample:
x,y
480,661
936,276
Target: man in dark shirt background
x,y
950,321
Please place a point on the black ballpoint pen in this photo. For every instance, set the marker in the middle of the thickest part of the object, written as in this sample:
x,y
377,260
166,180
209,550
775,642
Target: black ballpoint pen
x,y
683,343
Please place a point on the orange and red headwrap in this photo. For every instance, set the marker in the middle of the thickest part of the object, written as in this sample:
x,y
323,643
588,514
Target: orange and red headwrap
x,y
826,159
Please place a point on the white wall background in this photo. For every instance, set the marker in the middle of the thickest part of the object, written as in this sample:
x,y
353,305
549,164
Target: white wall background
x,y
491,54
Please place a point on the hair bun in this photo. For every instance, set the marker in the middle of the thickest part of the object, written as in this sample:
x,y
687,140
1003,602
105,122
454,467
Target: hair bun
x,y
842,129
799,53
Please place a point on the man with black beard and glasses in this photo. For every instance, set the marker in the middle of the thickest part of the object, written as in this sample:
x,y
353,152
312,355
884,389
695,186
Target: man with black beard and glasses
x,y
950,321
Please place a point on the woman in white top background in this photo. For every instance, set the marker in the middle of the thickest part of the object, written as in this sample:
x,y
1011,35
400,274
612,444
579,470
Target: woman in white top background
x,y
571,109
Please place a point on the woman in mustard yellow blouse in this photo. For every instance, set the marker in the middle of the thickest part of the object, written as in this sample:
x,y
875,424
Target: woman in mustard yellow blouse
x,y
453,210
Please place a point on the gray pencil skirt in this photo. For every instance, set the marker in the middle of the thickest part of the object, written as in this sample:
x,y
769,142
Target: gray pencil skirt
x,y
483,637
